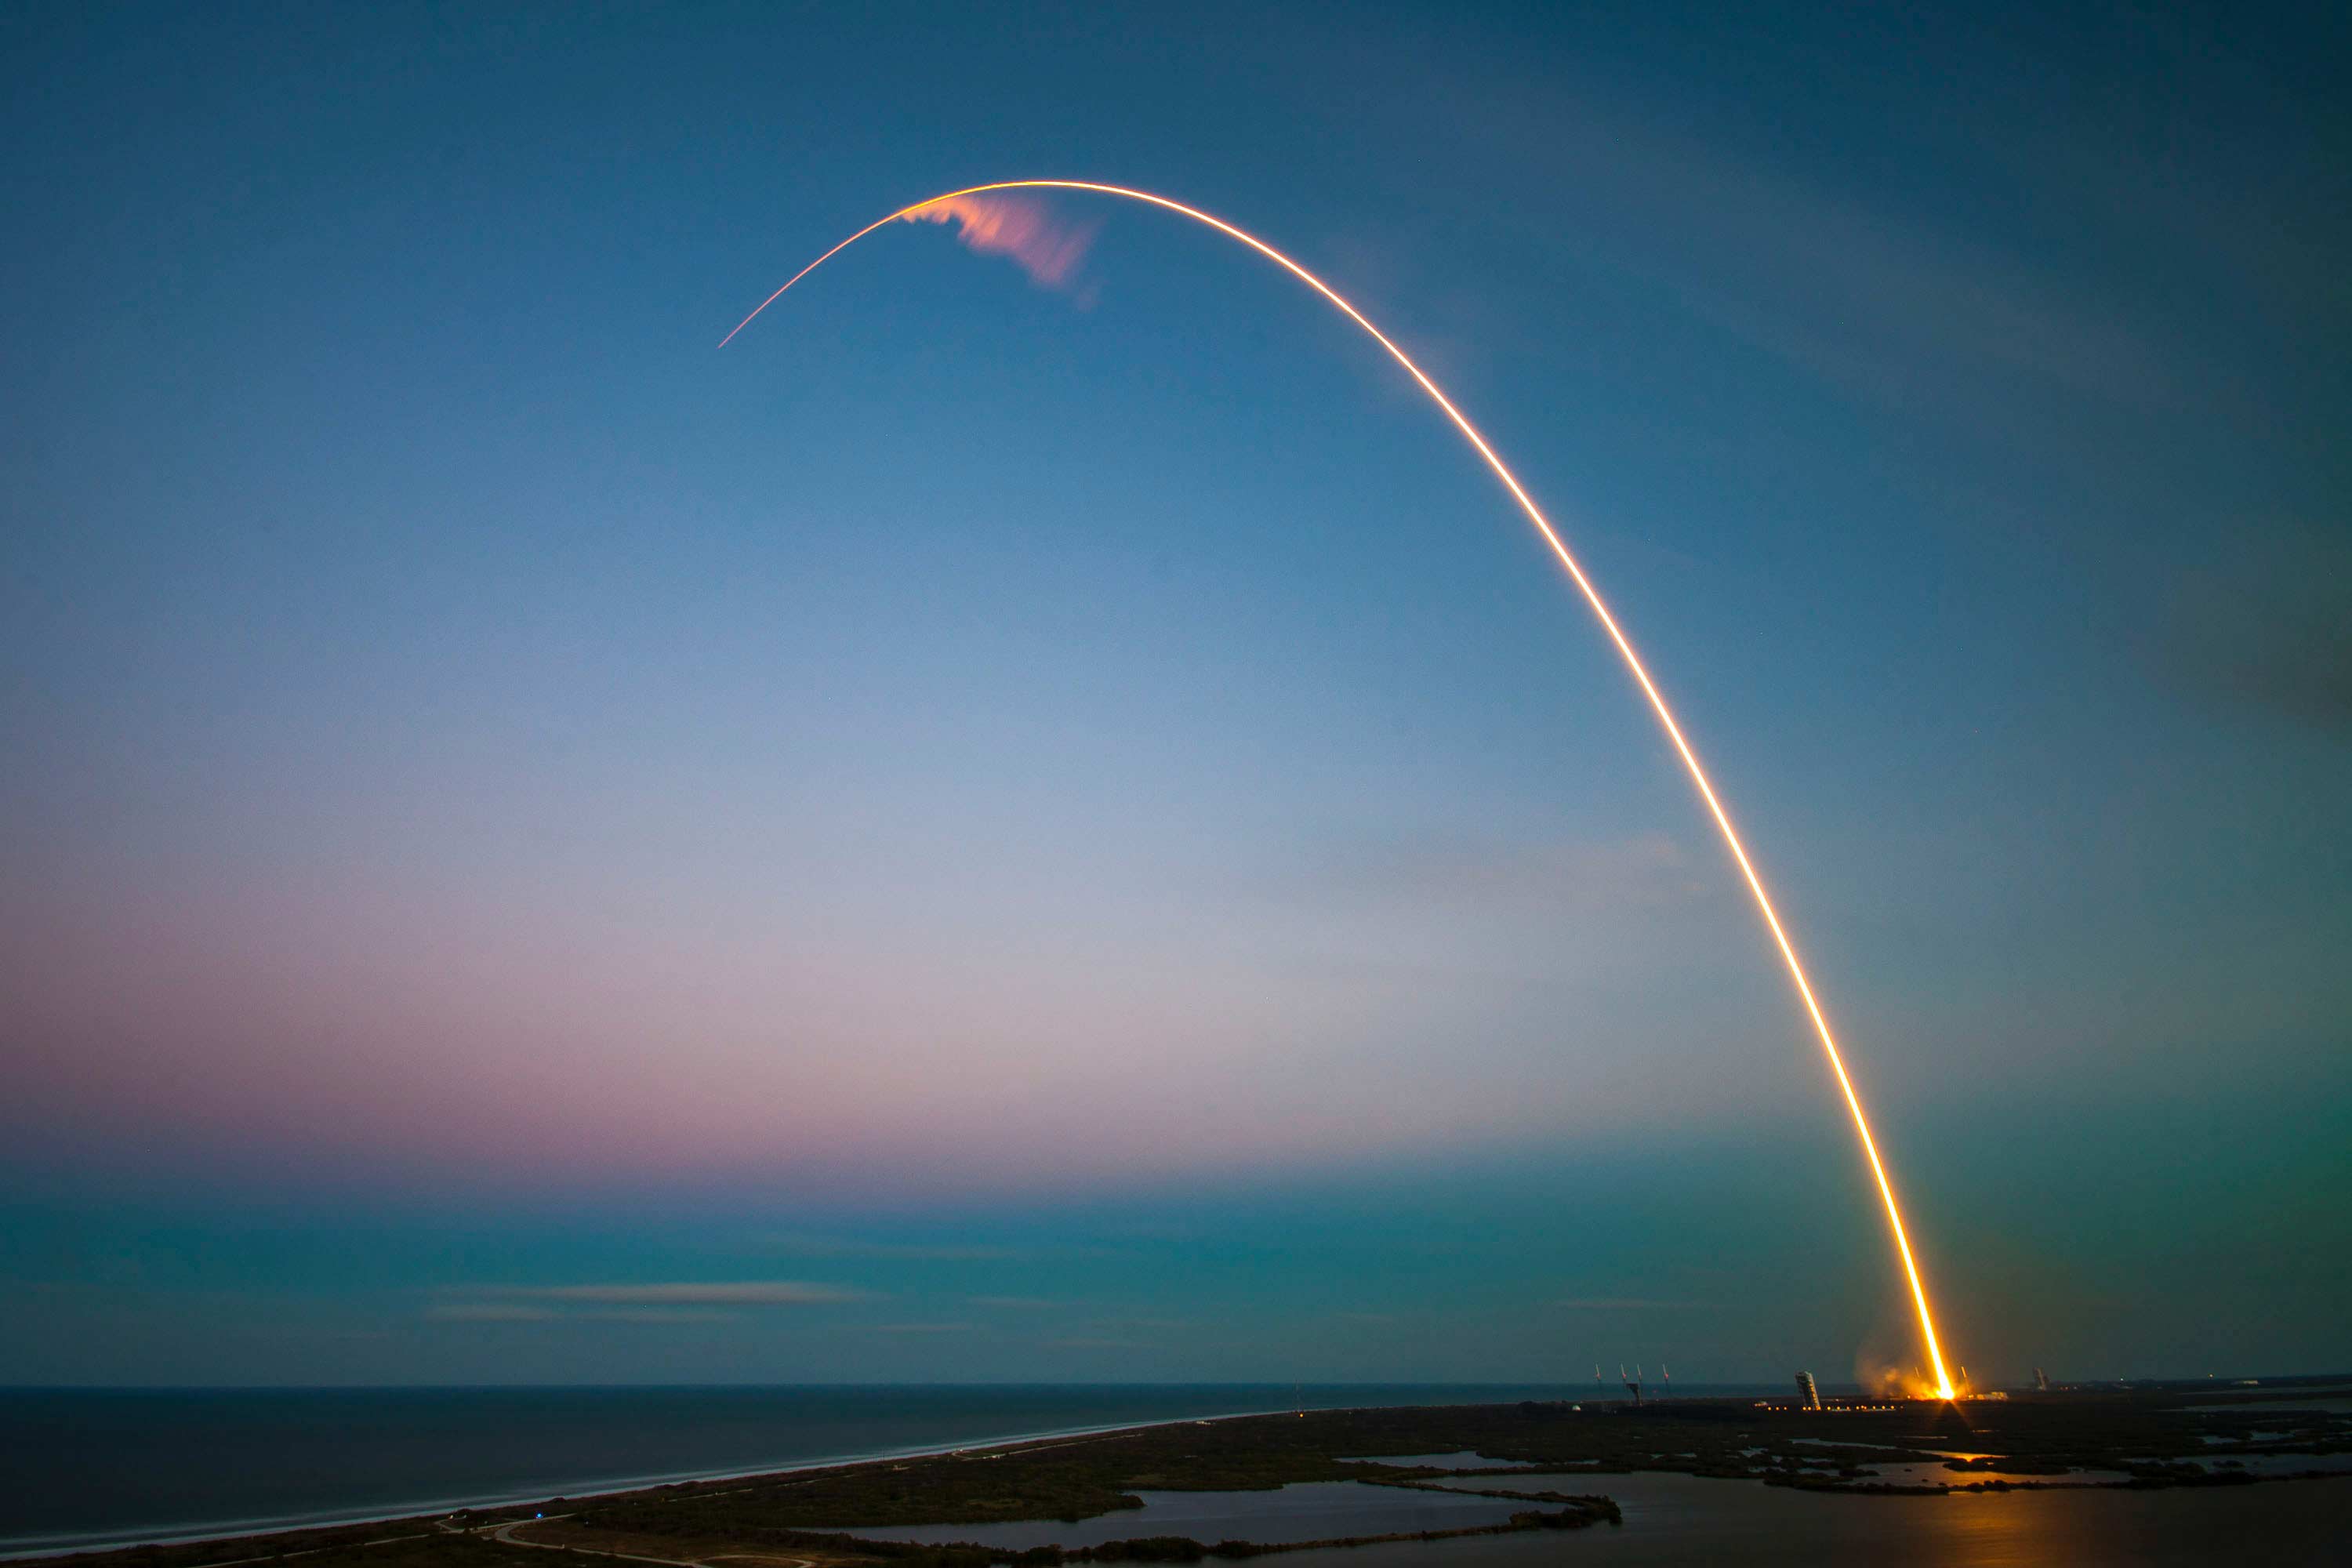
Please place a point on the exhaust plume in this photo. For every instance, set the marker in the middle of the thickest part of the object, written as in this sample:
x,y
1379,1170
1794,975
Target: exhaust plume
x,y
1021,228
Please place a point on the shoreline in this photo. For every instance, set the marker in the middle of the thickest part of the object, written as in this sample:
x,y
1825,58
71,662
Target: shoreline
x,y
1800,1452
90,1544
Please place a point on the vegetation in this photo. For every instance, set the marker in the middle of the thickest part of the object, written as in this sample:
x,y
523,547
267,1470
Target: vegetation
x,y
2140,1438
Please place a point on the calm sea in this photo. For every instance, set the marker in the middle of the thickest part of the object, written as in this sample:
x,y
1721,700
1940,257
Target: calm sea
x,y
87,1467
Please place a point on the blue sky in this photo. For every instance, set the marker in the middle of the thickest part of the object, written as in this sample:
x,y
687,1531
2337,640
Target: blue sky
x,y
1087,796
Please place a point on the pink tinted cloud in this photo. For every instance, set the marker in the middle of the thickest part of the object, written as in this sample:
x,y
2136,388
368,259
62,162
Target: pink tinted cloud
x,y
1021,228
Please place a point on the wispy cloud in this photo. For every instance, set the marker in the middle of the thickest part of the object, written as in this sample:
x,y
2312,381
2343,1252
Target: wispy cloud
x,y
1014,1303
1897,301
1628,1304
801,1243
487,1313
690,1293
920,1329
1021,227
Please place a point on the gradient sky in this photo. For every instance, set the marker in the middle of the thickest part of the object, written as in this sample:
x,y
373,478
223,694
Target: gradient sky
x,y
1060,827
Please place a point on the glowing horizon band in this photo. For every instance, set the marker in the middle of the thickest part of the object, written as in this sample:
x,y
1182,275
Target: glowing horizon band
x,y
1592,597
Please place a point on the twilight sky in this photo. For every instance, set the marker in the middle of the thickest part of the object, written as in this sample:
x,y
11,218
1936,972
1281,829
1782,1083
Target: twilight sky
x,y
1040,817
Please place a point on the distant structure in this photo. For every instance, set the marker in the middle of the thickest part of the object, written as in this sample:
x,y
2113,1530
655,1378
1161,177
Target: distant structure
x,y
1666,1378
2040,1381
1809,1393
1633,1383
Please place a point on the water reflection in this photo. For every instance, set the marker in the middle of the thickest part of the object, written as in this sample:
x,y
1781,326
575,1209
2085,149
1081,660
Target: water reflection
x,y
1682,1522
1308,1510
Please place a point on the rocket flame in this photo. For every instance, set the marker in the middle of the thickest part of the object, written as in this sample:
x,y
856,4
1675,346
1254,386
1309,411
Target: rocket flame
x,y
1632,660
1017,226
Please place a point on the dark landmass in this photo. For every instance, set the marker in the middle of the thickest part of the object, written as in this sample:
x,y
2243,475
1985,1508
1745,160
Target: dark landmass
x,y
2141,1438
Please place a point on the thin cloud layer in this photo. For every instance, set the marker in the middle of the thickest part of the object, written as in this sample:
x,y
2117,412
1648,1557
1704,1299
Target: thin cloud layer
x,y
486,1312
1015,1303
1626,1304
696,1293
804,1245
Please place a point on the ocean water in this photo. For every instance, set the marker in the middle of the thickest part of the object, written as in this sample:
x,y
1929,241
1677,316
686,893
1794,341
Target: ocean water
x,y
84,1467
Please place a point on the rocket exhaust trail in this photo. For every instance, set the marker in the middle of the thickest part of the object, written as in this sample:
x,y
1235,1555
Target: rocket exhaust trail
x,y
1624,645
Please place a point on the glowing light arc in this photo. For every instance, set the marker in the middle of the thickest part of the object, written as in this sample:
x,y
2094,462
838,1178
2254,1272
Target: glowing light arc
x,y
1600,607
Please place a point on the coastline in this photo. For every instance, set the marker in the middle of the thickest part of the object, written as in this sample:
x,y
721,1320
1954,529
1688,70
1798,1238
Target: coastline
x,y
2078,1445
92,1544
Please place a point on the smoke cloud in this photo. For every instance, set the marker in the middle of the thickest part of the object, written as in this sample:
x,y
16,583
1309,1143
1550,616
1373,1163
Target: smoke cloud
x,y
1021,228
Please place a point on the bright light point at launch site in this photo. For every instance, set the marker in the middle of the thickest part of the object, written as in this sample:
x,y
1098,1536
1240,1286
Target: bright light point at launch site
x,y
984,230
